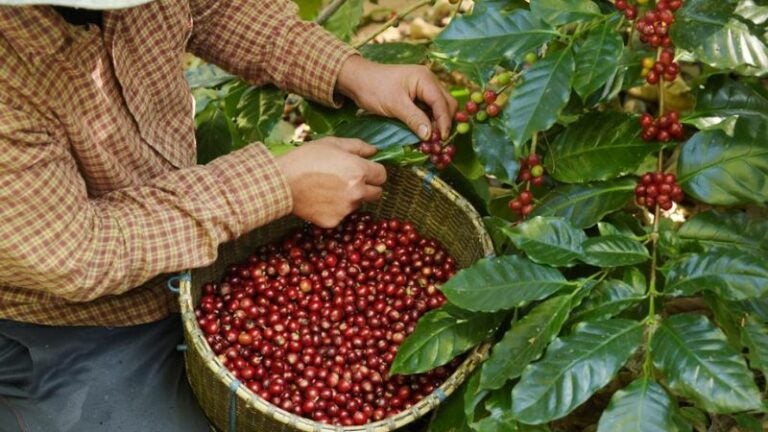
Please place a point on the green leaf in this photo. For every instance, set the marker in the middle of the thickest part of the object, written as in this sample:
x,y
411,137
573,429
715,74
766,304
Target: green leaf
x,y
597,58
717,37
498,229
585,204
724,98
495,151
206,75
439,337
754,336
614,251
723,170
700,365
573,369
643,406
402,156
600,146
377,131
536,103
449,416
493,284
558,12
308,9
490,35
473,396
608,299
323,120
343,23
259,110
549,240
213,134
748,423
525,341
713,228
395,53
730,273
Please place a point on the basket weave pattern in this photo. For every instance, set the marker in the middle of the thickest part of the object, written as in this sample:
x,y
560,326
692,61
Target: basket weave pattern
x,y
435,209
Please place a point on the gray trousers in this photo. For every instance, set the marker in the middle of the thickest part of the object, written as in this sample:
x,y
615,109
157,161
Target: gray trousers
x,y
84,379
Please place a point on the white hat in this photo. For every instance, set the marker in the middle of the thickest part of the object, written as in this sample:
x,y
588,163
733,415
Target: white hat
x,y
83,4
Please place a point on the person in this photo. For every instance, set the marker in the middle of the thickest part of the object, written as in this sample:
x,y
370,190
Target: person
x,y
100,196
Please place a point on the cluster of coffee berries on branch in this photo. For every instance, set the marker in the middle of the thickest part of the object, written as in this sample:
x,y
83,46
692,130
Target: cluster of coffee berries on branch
x,y
664,68
665,128
531,174
629,10
312,323
653,26
484,105
440,154
657,188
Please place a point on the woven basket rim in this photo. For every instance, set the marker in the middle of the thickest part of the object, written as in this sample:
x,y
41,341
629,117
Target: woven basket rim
x,y
196,340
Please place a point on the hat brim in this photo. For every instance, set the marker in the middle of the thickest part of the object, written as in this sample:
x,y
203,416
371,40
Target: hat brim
x,y
82,4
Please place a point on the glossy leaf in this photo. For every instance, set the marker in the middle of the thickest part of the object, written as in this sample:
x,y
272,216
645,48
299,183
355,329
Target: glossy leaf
x,y
490,35
377,131
720,39
395,53
495,151
723,170
549,240
525,341
724,229
558,12
536,103
725,98
600,146
585,204
730,273
754,336
473,396
308,9
614,251
699,364
260,109
597,58
213,134
643,406
449,416
402,156
506,282
608,299
573,369
345,20
439,337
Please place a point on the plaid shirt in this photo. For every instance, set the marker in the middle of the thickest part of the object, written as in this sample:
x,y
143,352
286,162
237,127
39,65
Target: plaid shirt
x,y
99,191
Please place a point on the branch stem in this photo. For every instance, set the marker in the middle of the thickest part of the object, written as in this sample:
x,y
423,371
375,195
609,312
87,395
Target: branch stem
x,y
326,13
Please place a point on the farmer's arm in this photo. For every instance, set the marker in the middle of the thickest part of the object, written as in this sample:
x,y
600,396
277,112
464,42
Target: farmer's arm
x,y
57,239
265,41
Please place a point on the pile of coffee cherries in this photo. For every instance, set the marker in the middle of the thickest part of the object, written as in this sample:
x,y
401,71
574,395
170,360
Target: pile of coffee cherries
x,y
531,174
665,128
440,154
312,323
658,188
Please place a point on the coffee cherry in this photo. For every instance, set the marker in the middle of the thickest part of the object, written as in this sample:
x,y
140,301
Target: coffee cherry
x,y
537,171
461,117
462,128
530,58
489,96
481,116
476,97
492,110
471,106
504,78
656,188
325,352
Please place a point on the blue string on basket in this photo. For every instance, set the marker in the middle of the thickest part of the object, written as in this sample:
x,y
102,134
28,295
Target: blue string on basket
x,y
428,179
233,386
174,281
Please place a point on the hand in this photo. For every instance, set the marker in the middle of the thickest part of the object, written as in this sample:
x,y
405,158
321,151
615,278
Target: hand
x,y
329,179
390,90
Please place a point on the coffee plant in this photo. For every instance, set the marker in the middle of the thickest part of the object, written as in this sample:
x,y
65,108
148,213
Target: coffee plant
x,y
618,151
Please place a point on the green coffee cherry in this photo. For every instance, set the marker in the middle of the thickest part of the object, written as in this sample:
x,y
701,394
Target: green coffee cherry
x,y
537,171
481,116
504,78
477,97
531,58
462,128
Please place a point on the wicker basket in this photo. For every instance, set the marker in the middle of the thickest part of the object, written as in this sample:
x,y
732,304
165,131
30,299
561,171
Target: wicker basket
x,y
413,194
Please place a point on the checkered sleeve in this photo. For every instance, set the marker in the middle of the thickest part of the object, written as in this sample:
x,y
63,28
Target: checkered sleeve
x,y
54,238
265,41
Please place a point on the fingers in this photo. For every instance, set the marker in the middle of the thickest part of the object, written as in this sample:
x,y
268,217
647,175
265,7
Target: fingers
x,y
375,173
356,147
415,118
428,89
372,193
